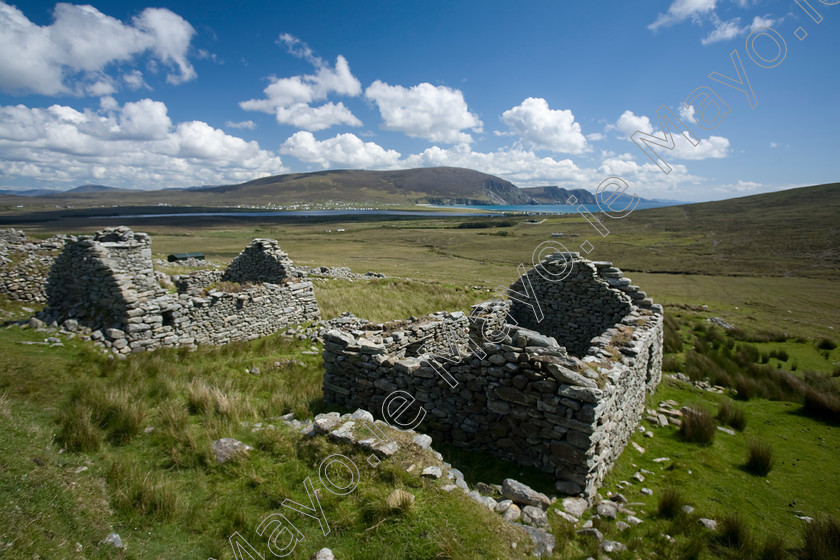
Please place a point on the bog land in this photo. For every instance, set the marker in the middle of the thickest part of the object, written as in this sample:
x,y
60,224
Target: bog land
x,y
81,463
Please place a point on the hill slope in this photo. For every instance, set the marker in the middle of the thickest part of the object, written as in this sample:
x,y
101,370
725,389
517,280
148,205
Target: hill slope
x,y
435,185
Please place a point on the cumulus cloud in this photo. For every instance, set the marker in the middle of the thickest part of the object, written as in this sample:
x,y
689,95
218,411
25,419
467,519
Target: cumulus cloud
x,y
628,123
545,129
342,150
681,10
436,113
290,99
136,146
71,56
713,147
522,167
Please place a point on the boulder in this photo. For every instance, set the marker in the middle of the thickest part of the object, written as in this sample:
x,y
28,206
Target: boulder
x,y
522,494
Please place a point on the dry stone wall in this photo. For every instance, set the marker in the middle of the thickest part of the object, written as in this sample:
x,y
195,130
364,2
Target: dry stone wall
x,y
107,282
24,265
512,391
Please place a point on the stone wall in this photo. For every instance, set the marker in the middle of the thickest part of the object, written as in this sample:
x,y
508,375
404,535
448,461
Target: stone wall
x,y
579,299
518,394
261,261
24,265
107,283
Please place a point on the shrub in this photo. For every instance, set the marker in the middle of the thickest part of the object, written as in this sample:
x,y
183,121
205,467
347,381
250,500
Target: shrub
x,y
670,503
732,415
760,458
821,539
698,426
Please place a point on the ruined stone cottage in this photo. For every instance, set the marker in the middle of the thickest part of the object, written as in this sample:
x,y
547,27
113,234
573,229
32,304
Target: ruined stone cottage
x,y
554,378
107,282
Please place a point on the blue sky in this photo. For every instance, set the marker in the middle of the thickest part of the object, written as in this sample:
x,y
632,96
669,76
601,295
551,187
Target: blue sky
x,y
147,96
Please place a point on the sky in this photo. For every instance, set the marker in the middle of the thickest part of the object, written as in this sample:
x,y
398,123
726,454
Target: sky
x,y
178,94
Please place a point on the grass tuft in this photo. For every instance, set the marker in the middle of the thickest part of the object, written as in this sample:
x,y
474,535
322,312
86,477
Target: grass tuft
x,y
698,426
760,458
821,539
732,415
671,502
734,533
78,431
773,549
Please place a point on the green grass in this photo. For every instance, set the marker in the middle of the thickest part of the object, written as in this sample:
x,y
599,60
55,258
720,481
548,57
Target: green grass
x,y
805,476
144,426
392,298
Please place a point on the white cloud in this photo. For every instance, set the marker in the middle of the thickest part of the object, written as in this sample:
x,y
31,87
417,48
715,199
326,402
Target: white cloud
x,y
71,55
135,146
727,30
521,167
249,125
290,99
628,123
765,21
544,128
712,147
303,116
436,113
724,31
681,10
595,136
342,150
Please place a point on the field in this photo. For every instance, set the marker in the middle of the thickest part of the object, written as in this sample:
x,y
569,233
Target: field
x,y
84,462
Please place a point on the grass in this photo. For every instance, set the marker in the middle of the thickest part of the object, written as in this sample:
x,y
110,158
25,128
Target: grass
x,y
391,298
732,415
152,478
760,458
671,502
147,422
822,539
698,426
712,478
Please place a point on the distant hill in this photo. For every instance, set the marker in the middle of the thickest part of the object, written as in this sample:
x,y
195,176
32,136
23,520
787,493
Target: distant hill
x,y
433,185
429,185
558,195
89,189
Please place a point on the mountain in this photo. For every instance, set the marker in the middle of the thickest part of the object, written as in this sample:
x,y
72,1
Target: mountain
x,y
433,185
558,195
28,192
430,185
86,189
